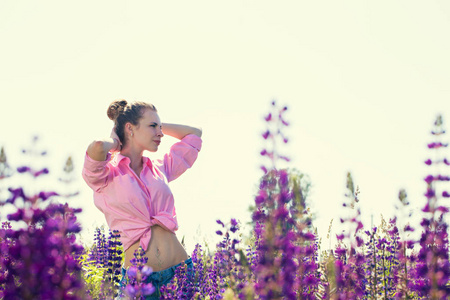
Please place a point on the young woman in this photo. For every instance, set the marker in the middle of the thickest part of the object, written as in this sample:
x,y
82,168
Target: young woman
x,y
132,190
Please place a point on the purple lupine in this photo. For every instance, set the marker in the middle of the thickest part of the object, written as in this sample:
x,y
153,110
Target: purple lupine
x,y
101,248
102,265
51,271
284,260
213,274
114,256
137,287
388,247
349,263
39,259
5,243
433,267
404,259
184,285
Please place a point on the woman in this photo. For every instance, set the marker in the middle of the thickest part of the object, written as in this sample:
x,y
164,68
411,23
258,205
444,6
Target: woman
x,y
132,190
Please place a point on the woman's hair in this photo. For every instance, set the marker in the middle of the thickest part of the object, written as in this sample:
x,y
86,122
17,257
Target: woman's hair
x,y
122,112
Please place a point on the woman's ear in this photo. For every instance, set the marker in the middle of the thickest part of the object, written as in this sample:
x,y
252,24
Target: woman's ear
x,y
129,129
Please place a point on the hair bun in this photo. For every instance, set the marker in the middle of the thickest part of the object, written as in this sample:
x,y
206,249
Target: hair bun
x,y
116,108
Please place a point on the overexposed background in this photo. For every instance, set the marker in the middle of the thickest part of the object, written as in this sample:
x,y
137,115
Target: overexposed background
x,y
363,83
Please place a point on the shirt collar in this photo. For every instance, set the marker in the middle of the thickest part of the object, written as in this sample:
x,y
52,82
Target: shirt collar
x,y
126,159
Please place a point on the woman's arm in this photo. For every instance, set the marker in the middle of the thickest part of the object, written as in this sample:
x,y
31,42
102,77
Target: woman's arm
x,y
180,131
182,154
99,149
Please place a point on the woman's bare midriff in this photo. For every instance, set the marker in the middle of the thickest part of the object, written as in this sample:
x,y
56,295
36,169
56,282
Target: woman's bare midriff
x,y
164,250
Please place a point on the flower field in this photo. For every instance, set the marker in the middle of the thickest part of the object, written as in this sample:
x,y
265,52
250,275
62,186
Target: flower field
x,y
280,258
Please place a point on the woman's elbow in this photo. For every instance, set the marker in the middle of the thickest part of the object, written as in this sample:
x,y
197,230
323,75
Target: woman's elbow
x,y
198,132
96,150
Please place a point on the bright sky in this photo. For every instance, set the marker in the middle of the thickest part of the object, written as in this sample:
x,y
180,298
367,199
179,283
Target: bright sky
x,y
363,83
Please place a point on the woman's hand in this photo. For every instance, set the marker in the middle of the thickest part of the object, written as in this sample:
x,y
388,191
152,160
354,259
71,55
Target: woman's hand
x,y
117,143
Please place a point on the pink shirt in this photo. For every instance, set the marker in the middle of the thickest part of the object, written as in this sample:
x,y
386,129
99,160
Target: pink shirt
x,y
132,205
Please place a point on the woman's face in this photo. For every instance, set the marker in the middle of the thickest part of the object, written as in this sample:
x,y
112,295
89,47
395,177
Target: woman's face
x,y
147,135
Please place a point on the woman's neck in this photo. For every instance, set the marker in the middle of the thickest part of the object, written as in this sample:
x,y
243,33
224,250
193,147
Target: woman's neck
x,y
135,157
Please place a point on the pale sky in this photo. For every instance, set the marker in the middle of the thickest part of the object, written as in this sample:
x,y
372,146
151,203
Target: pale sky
x,y
363,81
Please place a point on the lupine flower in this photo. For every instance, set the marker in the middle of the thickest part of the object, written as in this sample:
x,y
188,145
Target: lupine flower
x,y
433,266
38,260
5,169
102,264
436,145
137,288
53,247
284,265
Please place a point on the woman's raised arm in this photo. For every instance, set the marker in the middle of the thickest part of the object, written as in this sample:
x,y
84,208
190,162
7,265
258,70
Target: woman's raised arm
x,y
180,131
99,149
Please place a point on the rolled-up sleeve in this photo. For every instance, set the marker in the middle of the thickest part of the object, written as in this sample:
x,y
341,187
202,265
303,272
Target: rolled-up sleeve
x,y
181,156
96,173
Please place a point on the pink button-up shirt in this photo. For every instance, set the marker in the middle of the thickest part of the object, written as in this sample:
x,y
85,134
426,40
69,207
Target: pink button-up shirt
x,y
132,205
